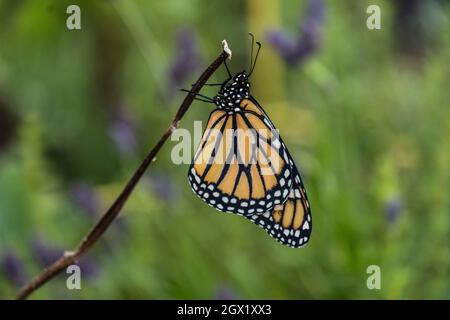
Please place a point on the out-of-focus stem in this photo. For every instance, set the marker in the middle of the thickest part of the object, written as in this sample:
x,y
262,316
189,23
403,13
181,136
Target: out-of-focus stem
x,y
268,79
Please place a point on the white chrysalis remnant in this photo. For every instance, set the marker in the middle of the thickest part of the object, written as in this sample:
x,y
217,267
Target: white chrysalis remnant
x,y
226,48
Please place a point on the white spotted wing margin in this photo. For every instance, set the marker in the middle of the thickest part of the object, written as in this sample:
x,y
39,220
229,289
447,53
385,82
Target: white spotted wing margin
x,y
291,223
207,179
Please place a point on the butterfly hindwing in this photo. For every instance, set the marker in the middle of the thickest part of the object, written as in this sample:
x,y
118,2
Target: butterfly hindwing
x,y
290,223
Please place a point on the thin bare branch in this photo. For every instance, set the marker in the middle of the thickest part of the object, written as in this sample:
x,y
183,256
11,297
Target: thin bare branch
x,y
105,221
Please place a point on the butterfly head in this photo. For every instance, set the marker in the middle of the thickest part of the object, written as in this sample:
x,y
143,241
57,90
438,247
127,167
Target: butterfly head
x,y
237,89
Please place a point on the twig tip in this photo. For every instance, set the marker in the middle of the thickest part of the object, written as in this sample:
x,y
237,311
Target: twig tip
x,y
68,253
227,49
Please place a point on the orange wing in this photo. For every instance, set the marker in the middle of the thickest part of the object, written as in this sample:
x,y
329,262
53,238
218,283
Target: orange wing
x,y
290,223
241,165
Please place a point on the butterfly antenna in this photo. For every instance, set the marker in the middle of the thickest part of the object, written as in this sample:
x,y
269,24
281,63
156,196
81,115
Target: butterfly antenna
x,y
251,50
256,58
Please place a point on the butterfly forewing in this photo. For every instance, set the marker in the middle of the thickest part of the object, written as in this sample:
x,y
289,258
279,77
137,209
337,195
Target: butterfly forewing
x,y
241,165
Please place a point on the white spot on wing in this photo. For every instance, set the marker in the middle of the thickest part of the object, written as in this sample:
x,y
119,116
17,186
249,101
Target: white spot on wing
x,y
306,225
276,143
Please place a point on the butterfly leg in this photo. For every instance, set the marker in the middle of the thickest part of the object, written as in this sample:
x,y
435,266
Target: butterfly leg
x,y
205,98
222,86
213,84
228,71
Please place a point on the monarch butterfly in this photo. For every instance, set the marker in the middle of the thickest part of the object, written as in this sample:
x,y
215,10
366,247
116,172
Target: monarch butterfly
x,y
242,165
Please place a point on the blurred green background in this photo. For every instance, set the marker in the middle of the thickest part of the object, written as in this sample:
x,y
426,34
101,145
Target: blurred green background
x,y
365,114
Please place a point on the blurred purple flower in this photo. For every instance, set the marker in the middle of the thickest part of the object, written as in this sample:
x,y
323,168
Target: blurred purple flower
x,y
89,268
44,253
393,208
83,196
295,50
163,186
225,293
47,254
122,131
12,267
186,60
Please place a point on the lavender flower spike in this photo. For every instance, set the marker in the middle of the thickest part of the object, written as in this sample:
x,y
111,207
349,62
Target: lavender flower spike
x,y
12,268
294,50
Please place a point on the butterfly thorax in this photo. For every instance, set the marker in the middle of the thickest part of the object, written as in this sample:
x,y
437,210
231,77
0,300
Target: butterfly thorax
x,y
231,95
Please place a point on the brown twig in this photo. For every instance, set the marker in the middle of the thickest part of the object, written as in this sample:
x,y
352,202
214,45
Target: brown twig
x,y
102,225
